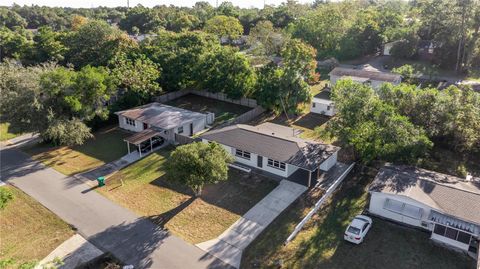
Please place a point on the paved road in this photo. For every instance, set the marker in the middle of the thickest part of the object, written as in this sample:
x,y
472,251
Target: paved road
x,y
107,225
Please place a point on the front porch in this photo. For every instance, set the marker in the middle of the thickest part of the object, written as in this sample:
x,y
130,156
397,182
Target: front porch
x,y
318,178
455,232
146,141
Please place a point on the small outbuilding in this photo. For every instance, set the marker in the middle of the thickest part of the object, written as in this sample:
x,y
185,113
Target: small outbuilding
x,y
447,206
322,103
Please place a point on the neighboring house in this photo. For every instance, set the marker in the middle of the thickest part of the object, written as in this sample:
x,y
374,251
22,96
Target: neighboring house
x,y
158,122
447,206
322,103
274,149
373,78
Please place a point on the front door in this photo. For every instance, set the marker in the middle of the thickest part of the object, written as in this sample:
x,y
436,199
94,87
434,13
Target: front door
x,y
259,161
145,126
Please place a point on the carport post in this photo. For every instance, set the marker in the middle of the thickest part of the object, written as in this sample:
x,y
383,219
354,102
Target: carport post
x,y
139,150
309,178
151,146
128,146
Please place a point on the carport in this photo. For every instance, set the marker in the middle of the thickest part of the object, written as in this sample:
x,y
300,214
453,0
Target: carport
x,y
146,135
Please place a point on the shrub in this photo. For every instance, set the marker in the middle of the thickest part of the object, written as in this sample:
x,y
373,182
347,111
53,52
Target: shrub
x,y
462,171
5,196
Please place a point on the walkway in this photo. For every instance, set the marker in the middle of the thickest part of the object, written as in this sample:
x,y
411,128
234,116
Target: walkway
x,y
110,227
229,246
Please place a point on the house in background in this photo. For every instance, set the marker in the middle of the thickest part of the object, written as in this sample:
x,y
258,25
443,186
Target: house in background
x,y
322,102
276,150
373,78
447,206
155,124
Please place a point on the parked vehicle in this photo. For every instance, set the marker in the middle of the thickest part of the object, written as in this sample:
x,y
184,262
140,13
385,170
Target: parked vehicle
x,y
156,142
358,229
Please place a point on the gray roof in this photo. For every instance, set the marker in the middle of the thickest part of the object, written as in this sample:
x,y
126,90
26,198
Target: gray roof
x,y
447,194
292,150
361,73
161,116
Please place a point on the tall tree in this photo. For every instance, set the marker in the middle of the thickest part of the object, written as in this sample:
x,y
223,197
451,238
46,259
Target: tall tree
x,y
224,27
197,164
372,127
225,70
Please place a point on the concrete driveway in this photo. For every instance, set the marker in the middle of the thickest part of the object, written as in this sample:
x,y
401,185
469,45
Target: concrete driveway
x,y
110,227
229,246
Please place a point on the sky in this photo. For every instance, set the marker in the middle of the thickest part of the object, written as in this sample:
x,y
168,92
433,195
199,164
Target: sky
x,y
147,3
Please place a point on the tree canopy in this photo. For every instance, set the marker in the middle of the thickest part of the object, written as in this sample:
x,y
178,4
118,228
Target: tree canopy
x,y
197,164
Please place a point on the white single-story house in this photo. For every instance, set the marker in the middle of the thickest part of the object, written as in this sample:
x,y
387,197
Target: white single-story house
x,y
160,123
447,206
373,78
323,104
275,152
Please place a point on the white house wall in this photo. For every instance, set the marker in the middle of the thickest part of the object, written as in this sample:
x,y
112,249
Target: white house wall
x,y
329,163
123,124
449,241
253,162
322,108
377,201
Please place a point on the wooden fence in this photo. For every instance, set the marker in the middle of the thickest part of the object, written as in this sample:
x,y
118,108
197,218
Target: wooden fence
x,y
218,96
319,203
245,117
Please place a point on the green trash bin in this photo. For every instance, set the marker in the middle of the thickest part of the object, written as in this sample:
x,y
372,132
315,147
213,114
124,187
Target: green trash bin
x,y
101,181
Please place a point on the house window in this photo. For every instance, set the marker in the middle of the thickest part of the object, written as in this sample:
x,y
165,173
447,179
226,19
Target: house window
x,y
242,154
276,164
130,122
180,130
313,104
403,209
453,234
329,107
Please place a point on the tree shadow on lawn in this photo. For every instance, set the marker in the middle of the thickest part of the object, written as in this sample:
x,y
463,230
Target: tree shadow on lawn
x,y
237,194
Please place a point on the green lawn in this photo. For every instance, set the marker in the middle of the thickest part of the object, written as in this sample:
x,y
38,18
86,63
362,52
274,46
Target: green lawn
x,y
320,244
6,133
148,193
29,231
106,146
223,110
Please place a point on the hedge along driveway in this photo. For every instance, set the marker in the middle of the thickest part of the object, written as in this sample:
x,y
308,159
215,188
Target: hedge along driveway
x,y
147,192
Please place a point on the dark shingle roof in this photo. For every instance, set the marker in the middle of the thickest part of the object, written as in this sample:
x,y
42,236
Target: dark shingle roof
x,y
325,95
447,194
379,76
292,150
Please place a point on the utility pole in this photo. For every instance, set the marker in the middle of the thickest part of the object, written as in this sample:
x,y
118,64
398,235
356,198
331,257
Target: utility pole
x,y
128,3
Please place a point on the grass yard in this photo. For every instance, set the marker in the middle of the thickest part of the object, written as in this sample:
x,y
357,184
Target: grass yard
x,y
29,231
223,110
148,193
310,124
106,146
6,132
320,244
444,160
